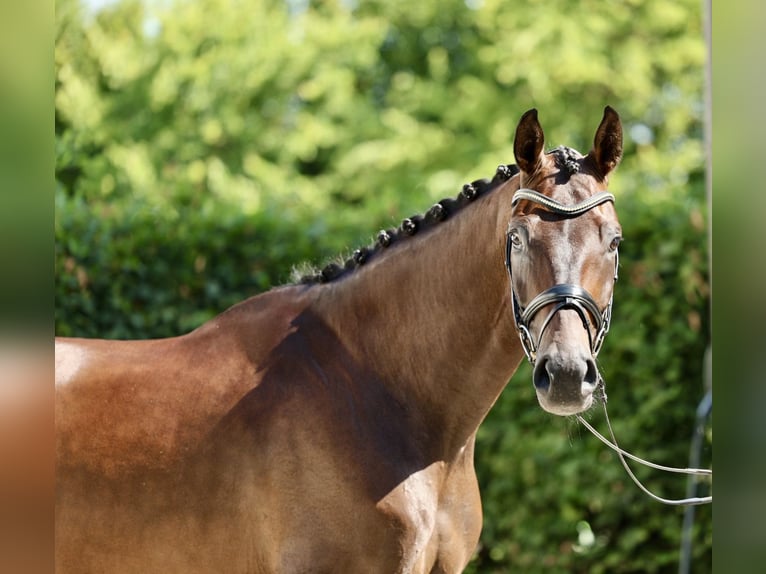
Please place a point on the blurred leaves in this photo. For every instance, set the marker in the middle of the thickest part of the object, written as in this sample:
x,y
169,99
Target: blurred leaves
x,y
205,147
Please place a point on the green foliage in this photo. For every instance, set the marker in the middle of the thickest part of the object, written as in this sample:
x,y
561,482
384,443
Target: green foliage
x,y
147,272
204,148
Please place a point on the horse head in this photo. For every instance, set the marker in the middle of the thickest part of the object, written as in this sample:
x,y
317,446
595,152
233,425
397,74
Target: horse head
x,y
561,254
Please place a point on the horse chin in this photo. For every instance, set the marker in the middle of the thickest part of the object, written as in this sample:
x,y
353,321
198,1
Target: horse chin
x,y
564,408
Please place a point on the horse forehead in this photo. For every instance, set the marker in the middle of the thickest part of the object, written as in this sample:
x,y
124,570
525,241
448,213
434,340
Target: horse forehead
x,y
577,188
573,188
563,238
569,240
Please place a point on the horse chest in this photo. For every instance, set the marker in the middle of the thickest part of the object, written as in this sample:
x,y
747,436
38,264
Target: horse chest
x,y
439,512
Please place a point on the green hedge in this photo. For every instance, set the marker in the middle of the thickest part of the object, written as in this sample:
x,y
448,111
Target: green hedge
x,y
205,148
143,272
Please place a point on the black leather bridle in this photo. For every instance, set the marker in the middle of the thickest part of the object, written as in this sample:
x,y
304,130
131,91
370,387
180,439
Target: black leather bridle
x,y
564,295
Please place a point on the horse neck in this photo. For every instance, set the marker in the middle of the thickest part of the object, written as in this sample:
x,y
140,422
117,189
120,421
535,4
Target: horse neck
x,y
431,317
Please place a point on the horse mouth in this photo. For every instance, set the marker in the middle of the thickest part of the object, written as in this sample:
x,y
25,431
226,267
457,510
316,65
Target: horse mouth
x,y
564,408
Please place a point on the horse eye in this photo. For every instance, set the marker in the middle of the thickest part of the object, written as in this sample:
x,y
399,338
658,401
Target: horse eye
x,y
615,243
515,239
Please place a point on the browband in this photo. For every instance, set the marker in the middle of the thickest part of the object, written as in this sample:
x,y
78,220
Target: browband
x,y
560,208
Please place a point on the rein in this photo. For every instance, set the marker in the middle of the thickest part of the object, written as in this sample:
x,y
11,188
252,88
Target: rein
x,y
622,454
569,296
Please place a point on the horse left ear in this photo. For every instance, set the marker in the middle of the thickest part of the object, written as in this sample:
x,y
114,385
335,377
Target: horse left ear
x,y
607,145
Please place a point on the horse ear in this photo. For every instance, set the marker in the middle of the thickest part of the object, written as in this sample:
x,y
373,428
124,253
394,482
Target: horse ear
x,y
607,145
528,142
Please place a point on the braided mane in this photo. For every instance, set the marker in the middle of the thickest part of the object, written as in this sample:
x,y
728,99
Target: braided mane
x,y
410,226
567,158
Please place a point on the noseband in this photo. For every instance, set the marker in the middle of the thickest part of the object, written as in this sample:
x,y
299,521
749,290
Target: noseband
x,y
564,295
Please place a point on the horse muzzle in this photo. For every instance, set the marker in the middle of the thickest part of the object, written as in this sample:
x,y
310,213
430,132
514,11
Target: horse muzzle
x,y
565,379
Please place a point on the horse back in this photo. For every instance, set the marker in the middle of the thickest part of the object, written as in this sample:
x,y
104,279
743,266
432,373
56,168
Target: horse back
x,y
131,406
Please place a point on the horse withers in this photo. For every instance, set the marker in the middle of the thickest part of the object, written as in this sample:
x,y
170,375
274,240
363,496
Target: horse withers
x,y
329,425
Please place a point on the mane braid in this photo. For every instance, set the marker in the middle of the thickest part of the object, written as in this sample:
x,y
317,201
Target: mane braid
x,y
410,226
566,158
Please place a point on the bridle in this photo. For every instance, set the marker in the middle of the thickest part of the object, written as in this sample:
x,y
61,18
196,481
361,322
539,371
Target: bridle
x,y
570,296
563,295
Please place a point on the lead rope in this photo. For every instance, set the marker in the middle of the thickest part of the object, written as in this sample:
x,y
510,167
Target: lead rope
x,y
622,454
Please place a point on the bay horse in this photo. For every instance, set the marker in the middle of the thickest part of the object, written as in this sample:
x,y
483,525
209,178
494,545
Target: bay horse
x,y
329,425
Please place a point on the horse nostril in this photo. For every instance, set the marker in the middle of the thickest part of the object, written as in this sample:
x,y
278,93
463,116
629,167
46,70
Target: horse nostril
x,y
540,377
591,373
